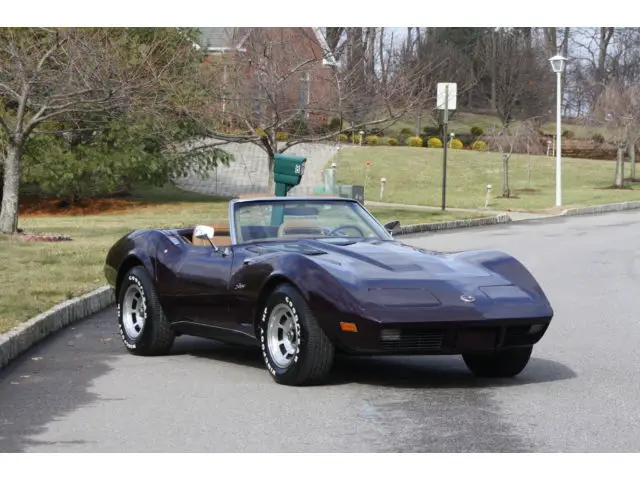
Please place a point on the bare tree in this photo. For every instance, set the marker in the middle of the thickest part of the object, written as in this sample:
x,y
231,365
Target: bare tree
x,y
557,43
523,138
425,48
618,108
48,74
591,52
624,55
385,54
605,38
521,86
281,85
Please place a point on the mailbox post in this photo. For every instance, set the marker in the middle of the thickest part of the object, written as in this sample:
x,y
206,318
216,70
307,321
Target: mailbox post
x,y
287,173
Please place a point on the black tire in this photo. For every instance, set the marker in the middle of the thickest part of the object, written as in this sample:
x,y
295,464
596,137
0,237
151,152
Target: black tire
x,y
314,352
503,364
155,337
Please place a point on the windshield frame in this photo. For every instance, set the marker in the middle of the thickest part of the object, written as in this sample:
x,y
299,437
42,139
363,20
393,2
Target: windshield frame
x,y
376,226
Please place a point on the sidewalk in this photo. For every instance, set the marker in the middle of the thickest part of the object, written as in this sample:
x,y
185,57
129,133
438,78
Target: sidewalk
x,y
515,216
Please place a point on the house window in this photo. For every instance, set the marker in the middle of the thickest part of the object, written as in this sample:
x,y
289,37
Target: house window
x,y
305,90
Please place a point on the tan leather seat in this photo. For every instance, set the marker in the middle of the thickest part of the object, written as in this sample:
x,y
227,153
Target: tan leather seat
x,y
222,240
221,228
256,195
299,228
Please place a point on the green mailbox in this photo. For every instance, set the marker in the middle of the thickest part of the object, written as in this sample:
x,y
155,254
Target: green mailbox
x,y
287,172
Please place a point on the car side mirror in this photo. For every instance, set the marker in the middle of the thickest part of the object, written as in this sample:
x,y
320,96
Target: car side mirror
x,y
205,232
392,227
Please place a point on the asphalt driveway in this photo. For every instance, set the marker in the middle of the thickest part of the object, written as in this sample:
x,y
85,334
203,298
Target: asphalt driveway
x,y
80,391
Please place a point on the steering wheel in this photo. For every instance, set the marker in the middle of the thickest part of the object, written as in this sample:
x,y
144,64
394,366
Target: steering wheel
x,y
343,227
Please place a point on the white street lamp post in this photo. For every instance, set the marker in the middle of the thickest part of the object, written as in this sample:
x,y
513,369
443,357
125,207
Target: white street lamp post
x,y
557,64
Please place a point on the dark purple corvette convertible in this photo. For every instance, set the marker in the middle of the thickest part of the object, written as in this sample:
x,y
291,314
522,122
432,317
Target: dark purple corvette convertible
x,y
304,278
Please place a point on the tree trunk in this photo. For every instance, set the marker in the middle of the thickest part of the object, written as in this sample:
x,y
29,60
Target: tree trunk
x,y
605,38
506,193
550,35
418,124
371,52
565,53
271,183
619,168
11,188
601,72
632,159
383,69
493,101
529,167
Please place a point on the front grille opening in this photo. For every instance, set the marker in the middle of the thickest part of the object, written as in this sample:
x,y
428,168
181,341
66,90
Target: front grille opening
x,y
396,339
460,338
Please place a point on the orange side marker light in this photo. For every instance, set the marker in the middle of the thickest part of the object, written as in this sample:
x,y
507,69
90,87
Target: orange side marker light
x,y
348,327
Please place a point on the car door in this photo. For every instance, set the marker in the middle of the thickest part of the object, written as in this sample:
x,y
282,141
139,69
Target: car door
x,y
202,286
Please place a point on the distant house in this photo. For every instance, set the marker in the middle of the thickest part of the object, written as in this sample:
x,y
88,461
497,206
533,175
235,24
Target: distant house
x,y
310,91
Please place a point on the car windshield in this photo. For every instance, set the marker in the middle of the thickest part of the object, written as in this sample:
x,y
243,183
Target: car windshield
x,y
289,219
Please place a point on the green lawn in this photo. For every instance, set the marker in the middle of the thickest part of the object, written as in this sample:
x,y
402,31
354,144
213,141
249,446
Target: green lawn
x,y
410,217
35,275
414,176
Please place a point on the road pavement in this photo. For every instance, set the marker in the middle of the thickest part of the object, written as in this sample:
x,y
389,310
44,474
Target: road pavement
x,y
79,391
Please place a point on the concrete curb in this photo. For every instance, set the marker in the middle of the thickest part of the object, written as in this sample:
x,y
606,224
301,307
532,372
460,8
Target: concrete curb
x,y
453,224
505,218
24,336
611,207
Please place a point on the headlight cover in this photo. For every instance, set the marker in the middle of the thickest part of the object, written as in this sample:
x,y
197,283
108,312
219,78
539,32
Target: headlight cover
x,y
403,297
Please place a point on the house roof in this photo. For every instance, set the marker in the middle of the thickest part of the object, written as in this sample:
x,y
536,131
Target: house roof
x,y
329,59
233,38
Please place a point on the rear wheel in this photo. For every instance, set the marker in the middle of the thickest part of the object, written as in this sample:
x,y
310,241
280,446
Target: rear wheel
x,y
295,349
503,364
143,325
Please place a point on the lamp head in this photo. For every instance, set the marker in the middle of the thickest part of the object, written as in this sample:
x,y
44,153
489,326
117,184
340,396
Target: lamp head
x,y
557,63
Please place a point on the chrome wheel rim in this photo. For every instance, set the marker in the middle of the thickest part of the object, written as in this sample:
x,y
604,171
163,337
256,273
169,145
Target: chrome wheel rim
x,y
282,337
134,312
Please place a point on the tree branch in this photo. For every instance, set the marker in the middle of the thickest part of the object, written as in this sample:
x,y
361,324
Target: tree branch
x,y
31,125
10,90
40,117
5,127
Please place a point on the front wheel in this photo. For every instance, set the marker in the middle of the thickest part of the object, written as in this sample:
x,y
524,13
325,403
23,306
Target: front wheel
x,y
144,328
295,349
503,364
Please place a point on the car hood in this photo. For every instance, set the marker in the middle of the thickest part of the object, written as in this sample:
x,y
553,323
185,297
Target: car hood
x,y
391,259
390,274
382,275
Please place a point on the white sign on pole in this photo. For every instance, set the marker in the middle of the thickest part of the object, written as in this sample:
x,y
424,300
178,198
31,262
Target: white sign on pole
x,y
453,94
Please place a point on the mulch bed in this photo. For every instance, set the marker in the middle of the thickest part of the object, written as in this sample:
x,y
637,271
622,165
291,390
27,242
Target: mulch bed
x,y
40,237
34,206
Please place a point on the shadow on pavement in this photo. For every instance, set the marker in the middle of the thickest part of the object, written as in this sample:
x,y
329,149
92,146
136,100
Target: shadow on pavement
x,y
218,351
397,372
53,379
437,372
